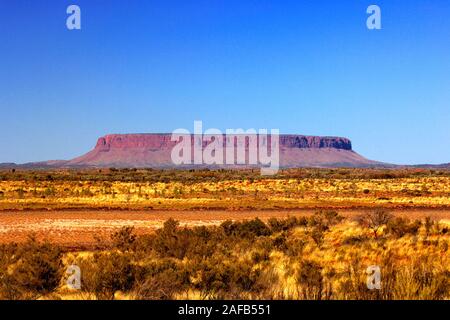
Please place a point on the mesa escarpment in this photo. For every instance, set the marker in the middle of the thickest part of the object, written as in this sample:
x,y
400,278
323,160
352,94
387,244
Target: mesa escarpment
x,y
163,141
154,150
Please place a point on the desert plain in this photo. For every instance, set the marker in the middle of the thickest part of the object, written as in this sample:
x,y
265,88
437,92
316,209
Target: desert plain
x,y
224,234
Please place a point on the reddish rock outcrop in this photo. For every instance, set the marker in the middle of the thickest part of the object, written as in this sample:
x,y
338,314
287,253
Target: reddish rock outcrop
x,y
154,150
163,141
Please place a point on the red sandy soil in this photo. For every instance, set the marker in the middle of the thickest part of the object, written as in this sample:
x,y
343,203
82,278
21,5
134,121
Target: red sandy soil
x,y
80,228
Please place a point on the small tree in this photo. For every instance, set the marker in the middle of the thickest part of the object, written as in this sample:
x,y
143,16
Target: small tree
x,y
374,220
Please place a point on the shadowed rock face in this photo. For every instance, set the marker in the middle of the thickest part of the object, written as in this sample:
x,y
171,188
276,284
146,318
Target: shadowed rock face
x,y
154,150
296,141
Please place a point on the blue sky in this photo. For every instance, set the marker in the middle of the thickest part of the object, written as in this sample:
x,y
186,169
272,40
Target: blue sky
x,y
307,67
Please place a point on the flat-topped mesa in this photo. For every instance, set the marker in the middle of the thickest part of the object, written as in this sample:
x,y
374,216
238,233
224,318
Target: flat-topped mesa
x,y
155,150
163,141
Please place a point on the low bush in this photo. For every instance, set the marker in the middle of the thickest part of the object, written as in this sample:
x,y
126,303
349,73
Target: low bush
x,y
278,225
161,280
29,270
246,229
106,273
374,220
124,239
399,227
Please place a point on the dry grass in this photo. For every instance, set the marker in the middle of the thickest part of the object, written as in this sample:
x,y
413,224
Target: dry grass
x,y
280,259
82,228
214,254
191,190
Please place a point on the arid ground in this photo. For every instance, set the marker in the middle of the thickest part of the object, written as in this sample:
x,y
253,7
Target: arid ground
x,y
83,228
80,207
216,234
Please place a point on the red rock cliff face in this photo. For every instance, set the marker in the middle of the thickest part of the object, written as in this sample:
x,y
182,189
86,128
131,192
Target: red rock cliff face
x,y
163,141
124,141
